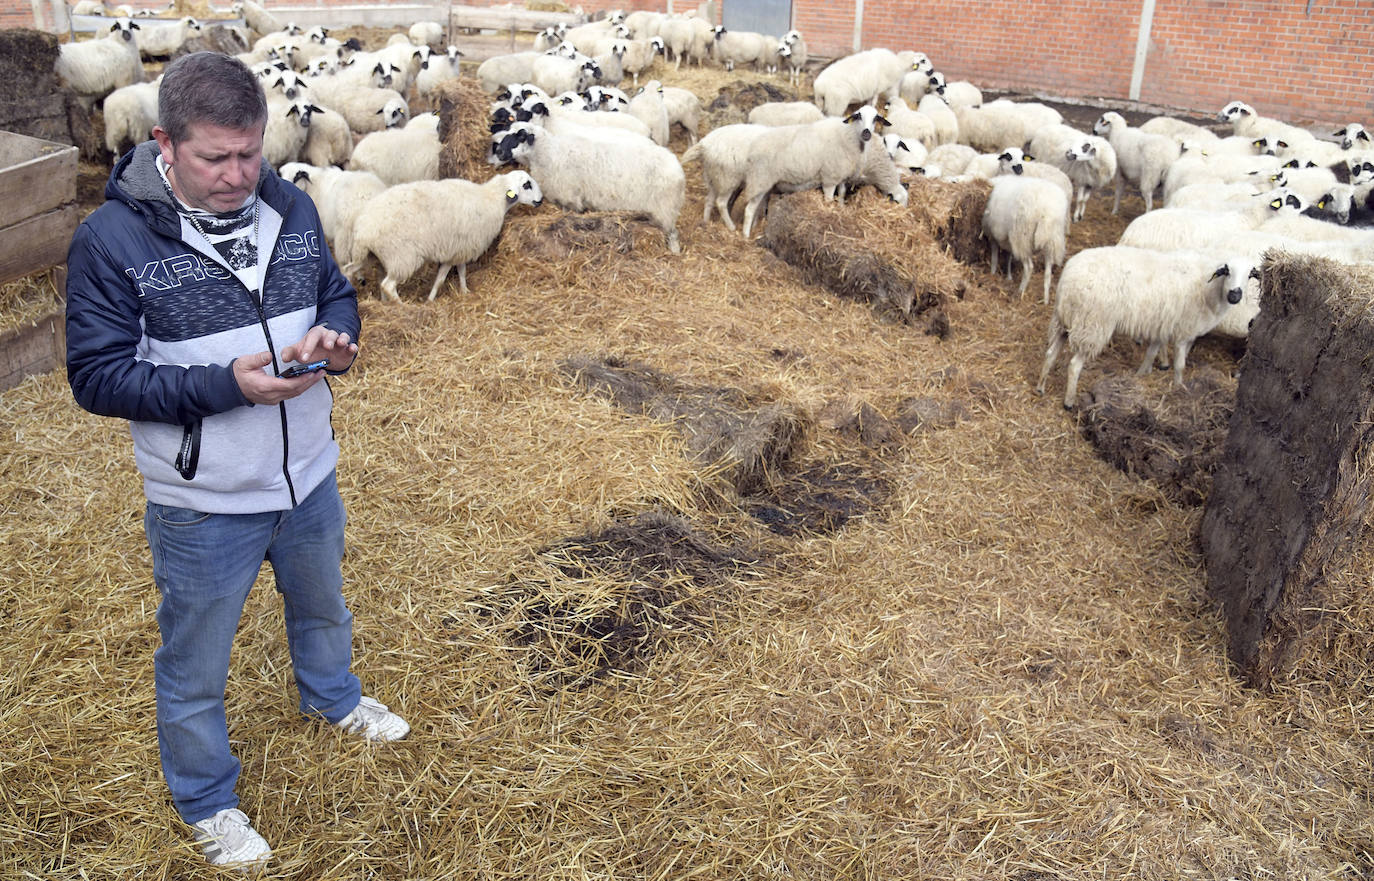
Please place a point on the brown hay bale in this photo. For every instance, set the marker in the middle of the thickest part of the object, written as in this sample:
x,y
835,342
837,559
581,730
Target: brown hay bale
x,y
214,38
1173,441
734,100
740,435
605,602
869,249
1292,488
33,101
953,214
463,131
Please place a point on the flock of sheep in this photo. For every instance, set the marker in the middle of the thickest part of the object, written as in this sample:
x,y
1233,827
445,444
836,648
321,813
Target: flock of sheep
x,y
586,143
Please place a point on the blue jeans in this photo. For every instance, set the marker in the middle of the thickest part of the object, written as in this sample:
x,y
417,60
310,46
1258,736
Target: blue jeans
x,y
204,566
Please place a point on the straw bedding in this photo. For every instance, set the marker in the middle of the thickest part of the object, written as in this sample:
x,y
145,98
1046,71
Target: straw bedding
x,y
1007,670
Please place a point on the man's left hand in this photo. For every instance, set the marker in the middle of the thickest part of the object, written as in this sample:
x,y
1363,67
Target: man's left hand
x,y
321,342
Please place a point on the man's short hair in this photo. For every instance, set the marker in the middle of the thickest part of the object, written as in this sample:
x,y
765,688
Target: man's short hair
x,y
209,87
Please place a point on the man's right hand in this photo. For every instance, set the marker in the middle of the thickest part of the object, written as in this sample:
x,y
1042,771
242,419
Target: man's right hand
x,y
260,387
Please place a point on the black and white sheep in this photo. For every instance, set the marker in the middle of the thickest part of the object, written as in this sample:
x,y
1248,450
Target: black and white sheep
x,y
340,197
95,68
1142,158
401,155
1027,217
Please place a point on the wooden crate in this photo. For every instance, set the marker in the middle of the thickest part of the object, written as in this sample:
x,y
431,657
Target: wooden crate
x,y
38,192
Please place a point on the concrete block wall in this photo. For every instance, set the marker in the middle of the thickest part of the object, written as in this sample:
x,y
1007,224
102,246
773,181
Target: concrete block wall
x,y
1307,61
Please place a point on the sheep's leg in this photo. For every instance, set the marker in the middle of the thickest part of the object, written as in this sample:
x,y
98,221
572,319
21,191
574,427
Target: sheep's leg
x,y
750,209
439,279
1071,388
1027,267
463,277
993,266
1056,345
1149,361
1049,275
674,245
389,291
1120,185
1180,356
708,205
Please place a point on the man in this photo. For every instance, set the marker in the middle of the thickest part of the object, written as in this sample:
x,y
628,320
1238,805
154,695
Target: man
x,y
189,292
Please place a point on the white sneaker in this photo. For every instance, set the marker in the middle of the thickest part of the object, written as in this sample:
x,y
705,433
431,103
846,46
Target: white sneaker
x,y
373,720
228,839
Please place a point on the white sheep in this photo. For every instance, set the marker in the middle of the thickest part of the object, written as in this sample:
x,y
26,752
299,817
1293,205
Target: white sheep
x,y
824,154
948,160
729,48
459,220
1141,157
648,107
785,113
401,155
258,19
339,196
724,155
130,114
501,70
639,56
427,33
915,85
1179,130
555,74
910,124
1195,167
688,38
1160,298
1174,229
162,40
95,68
1354,136
909,157
365,109
861,77
88,7
1017,162
329,140
1027,217
940,113
1245,122
288,124
960,93
1000,124
437,68
1214,196
643,24
793,55
585,173
684,109
1091,165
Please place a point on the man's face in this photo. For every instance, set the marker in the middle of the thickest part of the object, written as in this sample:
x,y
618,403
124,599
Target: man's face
x,y
215,168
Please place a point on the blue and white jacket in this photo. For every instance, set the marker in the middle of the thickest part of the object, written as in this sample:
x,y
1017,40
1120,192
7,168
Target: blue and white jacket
x,y
155,318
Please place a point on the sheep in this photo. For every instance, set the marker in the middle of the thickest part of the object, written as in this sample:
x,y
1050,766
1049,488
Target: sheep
x,y
948,160
1026,217
1161,298
461,220
554,74
940,113
1194,167
1179,130
1018,162
288,123
340,197
404,57
684,109
401,155
1051,143
785,113
558,119
960,93
1352,136
581,173
499,70
729,48
910,124
915,85
584,37
879,170
329,140
643,24
1141,157
259,20
436,68
366,109
639,55
861,77
161,41
1216,196
95,68
724,155
1091,165
1173,229
824,154
648,107
1310,183
908,157
427,33
88,7
1247,123
130,114
1000,124
686,38
793,55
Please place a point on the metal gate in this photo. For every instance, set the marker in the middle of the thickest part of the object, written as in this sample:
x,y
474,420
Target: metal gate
x,y
764,16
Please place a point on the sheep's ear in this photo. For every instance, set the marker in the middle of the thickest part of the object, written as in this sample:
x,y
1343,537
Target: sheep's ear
x,y
1276,203
1028,157
1293,200
1283,144
1222,272
1255,273
880,119
1004,157
1257,142
1362,135
512,196
300,176
313,109
1321,203
1338,133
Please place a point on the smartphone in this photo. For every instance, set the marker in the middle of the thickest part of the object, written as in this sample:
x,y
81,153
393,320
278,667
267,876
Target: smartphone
x,y
303,369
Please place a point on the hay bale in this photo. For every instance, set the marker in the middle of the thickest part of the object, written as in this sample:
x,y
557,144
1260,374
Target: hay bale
x,y
463,134
734,101
869,250
1172,441
33,101
215,38
743,436
1293,484
952,213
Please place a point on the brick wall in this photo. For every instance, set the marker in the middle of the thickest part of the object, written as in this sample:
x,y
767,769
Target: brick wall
x,y
1304,65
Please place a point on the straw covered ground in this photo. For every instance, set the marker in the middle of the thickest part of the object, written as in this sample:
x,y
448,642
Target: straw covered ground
x,y
988,656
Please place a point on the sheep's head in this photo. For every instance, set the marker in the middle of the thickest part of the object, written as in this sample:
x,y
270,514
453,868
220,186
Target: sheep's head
x,y
1234,111
937,82
1235,276
659,46
1012,160
792,38
522,189
1352,133
124,28
302,109
394,112
866,121
515,144
1335,204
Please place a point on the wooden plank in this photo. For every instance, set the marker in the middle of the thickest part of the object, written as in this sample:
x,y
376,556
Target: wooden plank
x,y
28,351
35,175
37,243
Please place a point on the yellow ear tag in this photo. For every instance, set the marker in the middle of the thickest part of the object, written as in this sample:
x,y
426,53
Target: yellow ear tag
x,y
1322,204
510,194
1276,204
